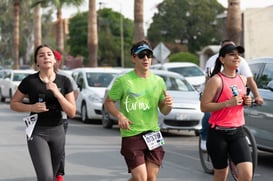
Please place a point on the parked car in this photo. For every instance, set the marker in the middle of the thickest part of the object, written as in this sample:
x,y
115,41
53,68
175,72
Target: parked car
x,y
186,113
92,83
259,119
192,73
10,80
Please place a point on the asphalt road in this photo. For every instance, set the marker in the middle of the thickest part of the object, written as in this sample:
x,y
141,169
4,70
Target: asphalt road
x,y
93,154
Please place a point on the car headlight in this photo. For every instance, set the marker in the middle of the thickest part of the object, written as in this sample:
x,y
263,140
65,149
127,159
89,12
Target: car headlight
x,y
95,98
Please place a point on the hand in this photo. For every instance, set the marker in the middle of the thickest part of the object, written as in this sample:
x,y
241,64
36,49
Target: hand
x,y
53,87
236,101
123,122
259,100
39,107
247,100
168,100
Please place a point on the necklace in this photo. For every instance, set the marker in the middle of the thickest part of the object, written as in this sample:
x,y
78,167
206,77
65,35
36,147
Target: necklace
x,y
47,79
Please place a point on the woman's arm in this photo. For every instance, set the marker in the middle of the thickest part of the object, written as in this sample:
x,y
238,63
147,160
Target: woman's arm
x,y
16,103
212,89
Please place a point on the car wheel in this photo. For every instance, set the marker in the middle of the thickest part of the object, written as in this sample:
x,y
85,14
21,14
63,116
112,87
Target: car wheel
x,y
84,116
10,94
2,99
106,121
197,132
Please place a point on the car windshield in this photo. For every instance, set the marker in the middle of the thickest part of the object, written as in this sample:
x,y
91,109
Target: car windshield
x,y
176,84
190,71
19,76
98,79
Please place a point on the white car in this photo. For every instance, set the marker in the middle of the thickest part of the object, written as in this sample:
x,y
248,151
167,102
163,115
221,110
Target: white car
x,y
10,80
92,83
192,73
185,114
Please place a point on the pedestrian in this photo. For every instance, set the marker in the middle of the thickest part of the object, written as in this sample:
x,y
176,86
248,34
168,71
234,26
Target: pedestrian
x,y
58,57
244,70
49,94
140,93
225,96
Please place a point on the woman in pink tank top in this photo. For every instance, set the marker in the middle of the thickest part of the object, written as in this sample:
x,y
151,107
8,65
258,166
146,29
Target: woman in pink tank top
x,y
224,96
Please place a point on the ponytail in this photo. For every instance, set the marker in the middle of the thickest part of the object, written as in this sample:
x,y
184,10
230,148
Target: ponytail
x,y
217,67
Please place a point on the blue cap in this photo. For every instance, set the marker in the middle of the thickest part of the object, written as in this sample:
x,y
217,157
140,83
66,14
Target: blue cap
x,y
142,47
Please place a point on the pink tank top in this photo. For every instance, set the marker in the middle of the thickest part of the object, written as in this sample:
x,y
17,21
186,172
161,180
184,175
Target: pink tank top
x,y
231,116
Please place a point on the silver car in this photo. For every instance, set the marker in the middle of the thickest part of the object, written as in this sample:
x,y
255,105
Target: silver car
x,y
259,119
92,83
186,113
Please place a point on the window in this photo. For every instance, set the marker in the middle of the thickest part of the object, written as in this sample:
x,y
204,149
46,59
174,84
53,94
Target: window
x,y
266,76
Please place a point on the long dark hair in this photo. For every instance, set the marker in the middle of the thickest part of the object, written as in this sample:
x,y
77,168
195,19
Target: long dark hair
x,y
217,67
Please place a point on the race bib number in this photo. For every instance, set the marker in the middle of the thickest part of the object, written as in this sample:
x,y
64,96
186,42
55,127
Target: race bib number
x,y
30,122
153,139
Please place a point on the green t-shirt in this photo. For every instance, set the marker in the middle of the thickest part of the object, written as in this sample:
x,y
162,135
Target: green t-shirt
x,y
139,99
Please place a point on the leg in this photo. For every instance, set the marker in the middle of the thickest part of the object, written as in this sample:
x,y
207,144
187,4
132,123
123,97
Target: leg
x,y
244,171
57,142
61,168
139,173
205,125
220,174
152,171
41,158
241,156
218,151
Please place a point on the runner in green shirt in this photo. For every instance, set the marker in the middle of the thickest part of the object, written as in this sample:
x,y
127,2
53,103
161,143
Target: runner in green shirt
x,y
140,94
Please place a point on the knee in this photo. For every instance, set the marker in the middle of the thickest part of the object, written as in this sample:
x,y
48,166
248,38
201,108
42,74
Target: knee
x,y
151,177
220,174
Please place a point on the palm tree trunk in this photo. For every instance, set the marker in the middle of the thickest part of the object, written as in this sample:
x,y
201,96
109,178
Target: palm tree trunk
x,y
60,33
16,6
92,35
138,21
234,21
37,26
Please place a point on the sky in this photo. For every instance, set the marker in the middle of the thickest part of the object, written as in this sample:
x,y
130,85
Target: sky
x,y
126,7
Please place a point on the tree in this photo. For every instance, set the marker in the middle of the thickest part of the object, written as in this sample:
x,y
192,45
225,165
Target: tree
x,y
92,42
109,52
16,10
234,21
58,4
138,21
188,22
37,26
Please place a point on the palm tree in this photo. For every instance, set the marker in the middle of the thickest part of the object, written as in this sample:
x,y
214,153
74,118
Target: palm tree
x,y
234,21
37,26
58,4
92,35
16,10
138,20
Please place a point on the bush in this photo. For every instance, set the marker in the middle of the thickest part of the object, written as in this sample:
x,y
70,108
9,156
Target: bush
x,y
184,57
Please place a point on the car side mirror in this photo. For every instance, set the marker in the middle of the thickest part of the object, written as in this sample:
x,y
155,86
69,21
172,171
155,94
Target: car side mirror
x,y
270,85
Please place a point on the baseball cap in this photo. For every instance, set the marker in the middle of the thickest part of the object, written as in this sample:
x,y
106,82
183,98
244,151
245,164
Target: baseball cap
x,y
57,55
140,48
229,48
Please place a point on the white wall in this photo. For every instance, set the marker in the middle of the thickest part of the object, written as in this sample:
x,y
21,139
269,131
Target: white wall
x,y
258,32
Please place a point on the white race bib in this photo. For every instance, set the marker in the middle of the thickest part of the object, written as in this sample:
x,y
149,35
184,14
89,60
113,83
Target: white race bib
x,y
30,122
153,139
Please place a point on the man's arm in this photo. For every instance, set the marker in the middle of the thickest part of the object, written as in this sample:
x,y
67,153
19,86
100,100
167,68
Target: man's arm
x,y
253,87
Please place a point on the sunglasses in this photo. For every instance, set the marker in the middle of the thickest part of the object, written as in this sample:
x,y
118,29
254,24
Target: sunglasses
x,y
142,55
